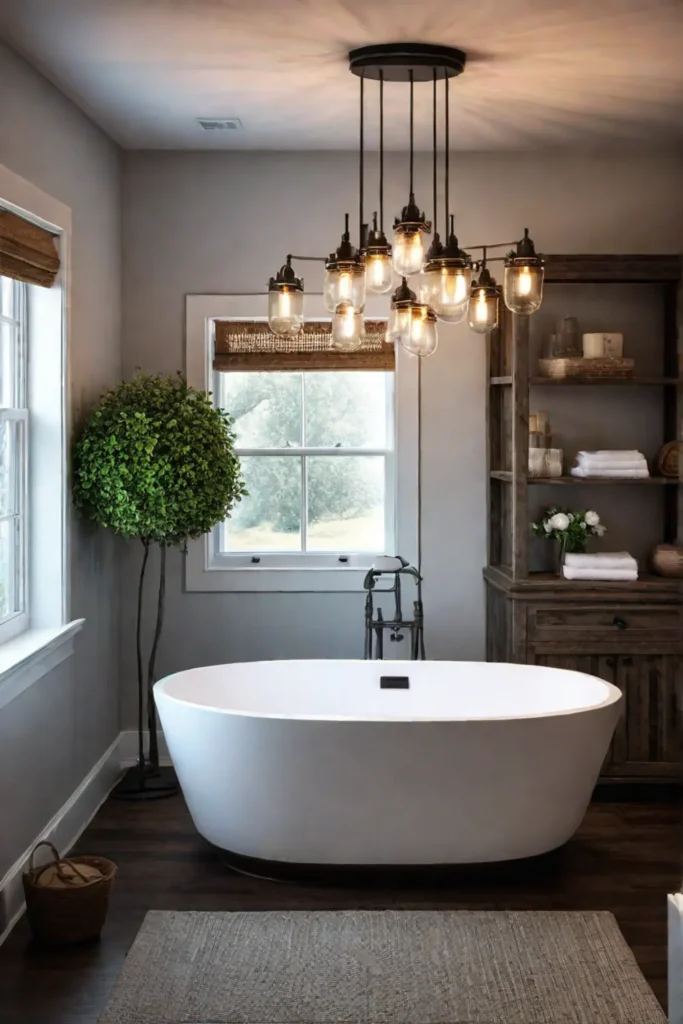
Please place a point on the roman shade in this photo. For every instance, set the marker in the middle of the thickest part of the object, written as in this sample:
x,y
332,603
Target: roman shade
x,y
27,251
250,345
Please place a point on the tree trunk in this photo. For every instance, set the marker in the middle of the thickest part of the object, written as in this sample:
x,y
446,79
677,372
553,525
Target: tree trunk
x,y
141,681
151,707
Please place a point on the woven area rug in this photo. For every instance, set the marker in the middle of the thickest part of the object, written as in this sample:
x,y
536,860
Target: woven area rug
x,y
389,967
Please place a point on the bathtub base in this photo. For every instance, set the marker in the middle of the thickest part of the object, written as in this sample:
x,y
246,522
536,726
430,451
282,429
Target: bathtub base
x,y
389,876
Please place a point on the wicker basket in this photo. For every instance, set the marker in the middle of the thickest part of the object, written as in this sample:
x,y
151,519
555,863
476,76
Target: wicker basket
x,y
669,459
67,898
667,560
581,367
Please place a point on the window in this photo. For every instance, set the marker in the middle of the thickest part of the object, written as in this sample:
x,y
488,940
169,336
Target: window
x,y
329,456
317,454
13,458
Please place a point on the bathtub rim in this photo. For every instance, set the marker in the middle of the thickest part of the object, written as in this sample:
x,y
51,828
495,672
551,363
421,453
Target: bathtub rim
x,y
613,696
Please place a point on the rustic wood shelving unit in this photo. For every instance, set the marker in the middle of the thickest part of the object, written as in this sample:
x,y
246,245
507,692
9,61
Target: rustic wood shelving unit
x,y
628,633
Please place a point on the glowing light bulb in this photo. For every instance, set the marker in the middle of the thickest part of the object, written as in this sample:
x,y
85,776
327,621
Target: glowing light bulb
x,y
408,251
524,282
347,327
481,312
379,273
284,304
345,286
418,333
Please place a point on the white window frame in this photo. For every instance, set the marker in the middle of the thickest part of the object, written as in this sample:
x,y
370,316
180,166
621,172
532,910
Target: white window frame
x,y
18,621
208,570
49,636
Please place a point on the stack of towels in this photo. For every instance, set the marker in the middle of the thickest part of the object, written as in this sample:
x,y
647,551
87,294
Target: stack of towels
x,y
616,565
611,464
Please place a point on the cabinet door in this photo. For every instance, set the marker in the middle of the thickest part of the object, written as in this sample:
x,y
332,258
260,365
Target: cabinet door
x,y
647,742
649,734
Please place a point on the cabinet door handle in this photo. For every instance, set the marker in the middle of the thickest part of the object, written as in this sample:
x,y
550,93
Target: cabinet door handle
x,y
619,622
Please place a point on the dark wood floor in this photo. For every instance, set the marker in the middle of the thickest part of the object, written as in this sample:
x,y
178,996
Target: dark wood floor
x,y
625,859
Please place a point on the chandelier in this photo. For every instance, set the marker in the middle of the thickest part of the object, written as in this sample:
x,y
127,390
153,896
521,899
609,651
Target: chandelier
x,y
441,283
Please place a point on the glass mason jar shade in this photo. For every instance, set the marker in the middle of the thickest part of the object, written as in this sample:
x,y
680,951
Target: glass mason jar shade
x,y
482,312
413,325
523,285
447,290
347,327
285,310
408,249
345,282
378,272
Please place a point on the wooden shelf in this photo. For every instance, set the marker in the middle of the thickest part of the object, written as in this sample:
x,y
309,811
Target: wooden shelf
x,y
566,481
570,382
501,576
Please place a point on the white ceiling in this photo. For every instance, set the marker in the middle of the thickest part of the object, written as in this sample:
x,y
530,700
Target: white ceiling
x,y
540,72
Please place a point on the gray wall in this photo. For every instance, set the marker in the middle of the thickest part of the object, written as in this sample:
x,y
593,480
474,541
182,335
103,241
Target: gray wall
x,y
222,223
52,735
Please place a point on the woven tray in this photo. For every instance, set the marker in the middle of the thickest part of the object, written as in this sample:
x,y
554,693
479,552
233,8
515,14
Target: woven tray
x,y
580,367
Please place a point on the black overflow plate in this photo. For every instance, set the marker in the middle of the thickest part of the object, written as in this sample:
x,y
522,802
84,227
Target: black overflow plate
x,y
394,683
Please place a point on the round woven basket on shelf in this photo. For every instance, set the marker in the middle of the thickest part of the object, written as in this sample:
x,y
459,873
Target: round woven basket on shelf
x,y
67,898
667,560
669,459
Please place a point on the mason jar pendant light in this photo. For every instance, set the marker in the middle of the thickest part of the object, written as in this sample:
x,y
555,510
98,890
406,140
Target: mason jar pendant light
x,y
444,288
411,227
412,323
523,281
482,310
345,276
378,263
286,302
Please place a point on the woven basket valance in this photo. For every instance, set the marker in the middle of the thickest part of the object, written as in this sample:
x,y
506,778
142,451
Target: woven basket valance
x,y
27,252
251,345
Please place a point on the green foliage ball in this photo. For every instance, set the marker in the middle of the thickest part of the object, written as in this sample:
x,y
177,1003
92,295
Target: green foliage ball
x,y
156,460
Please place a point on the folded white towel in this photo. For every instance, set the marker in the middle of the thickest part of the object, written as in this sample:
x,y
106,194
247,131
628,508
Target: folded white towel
x,y
601,560
615,474
599,467
626,575
609,455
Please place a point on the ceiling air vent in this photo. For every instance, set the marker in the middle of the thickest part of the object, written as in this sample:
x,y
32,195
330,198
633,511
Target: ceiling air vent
x,y
219,124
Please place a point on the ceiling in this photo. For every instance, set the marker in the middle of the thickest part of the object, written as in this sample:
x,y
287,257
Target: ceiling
x,y
540,72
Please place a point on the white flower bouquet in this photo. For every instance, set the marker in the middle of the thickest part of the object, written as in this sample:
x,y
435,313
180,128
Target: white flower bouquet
x,y
570,529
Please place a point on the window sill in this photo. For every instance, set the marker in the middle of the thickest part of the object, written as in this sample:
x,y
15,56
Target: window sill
x,y
272,580
28,657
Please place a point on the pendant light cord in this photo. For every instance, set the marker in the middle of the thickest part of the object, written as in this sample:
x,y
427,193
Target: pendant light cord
x,y
361,166
435,147
381,150
446,160
412,121
419,466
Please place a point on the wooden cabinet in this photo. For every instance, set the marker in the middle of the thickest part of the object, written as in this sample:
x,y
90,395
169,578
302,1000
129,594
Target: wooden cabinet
x,y
630,634
647,743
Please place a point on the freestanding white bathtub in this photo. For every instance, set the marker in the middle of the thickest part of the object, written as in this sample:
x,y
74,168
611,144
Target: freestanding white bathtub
x,y
312,762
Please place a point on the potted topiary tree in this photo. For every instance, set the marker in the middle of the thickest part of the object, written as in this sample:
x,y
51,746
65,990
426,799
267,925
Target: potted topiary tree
x,y
155,461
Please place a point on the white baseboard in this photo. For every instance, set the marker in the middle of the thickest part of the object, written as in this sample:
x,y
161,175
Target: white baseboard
x,y
72,819
63,831
128,749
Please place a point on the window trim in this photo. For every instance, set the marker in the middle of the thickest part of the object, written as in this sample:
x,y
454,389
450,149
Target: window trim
x,y
203,572
25,658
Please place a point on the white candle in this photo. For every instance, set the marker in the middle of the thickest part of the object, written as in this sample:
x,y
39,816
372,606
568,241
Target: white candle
x,y
593,346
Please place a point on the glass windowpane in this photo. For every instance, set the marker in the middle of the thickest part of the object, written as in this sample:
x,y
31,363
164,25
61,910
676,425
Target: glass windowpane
x,y
346,503
9,336
269,519
266,408
346,410
11,549
8,290
10,467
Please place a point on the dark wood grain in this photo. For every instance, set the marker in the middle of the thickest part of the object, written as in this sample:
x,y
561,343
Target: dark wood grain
x,y
624,859
591,269
508,477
